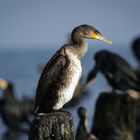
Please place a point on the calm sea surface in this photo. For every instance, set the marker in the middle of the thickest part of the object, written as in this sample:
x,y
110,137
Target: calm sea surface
x,y
21,66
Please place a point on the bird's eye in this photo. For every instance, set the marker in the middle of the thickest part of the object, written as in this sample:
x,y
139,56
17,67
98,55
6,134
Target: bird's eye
x,y
97,32
86,34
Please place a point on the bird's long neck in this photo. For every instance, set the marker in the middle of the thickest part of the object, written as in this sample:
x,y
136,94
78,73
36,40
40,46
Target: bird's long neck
x,y
79,46
83,123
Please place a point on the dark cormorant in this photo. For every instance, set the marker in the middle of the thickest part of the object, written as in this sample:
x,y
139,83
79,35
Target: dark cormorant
x,y
117,71
62,73
12,111
136,48
136,51
82,131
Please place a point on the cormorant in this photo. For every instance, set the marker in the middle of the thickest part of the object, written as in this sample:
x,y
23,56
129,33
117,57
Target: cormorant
x,y
12,111
82,131
62,73
79,92
136,48
119,74
136,51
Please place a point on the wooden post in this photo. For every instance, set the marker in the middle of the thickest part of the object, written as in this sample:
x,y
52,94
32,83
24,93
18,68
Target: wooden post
x,y
114,117
137,132
52,126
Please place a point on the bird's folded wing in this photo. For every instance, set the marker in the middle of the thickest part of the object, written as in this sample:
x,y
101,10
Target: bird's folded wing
x,y
54,68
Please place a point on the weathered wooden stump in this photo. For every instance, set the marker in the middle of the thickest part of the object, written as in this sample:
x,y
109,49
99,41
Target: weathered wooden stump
x,y
137,132
52,126
114,117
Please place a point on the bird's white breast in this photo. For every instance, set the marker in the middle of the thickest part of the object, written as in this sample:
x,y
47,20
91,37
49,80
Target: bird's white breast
x,y
75,71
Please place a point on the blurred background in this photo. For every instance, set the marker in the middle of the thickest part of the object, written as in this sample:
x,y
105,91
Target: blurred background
x,y
32,31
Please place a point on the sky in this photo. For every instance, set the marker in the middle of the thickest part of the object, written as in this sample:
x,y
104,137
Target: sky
x,y
26,23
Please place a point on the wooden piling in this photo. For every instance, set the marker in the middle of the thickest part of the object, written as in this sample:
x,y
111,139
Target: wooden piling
x,y
137,129
52,126
114,117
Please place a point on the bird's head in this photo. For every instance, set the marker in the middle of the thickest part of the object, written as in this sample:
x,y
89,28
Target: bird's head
x,y
87,31
3,84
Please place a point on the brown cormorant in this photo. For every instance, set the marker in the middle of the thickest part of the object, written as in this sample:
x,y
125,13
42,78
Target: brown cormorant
x,y
119,74
62,73
13,112
79,92
82,132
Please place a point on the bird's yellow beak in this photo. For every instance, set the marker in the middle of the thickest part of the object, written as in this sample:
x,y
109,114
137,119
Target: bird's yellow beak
x,y
3,84
100,37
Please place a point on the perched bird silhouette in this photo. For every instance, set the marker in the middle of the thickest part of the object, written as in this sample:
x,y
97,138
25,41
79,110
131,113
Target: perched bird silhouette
x,y
62,73
13,112
136,52
82,132
136,48
119,74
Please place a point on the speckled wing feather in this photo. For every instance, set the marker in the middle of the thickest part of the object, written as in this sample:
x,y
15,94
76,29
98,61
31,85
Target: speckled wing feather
x,y
53,71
